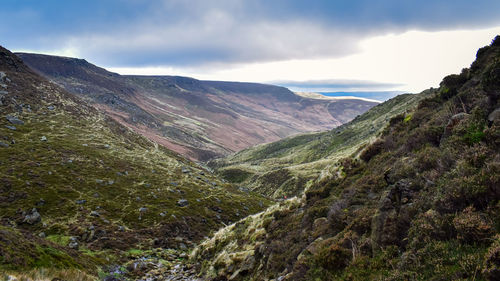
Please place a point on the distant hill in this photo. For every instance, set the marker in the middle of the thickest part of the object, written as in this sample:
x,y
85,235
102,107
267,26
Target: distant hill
x,y
199,119
286,167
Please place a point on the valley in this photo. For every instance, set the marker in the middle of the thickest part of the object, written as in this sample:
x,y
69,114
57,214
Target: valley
x,y
201,120
98,183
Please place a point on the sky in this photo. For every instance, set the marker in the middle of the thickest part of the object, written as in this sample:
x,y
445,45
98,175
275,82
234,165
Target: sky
x,y
358,46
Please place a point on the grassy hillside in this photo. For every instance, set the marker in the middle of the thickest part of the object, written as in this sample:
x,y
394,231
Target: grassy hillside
x,y
77,189
283,168
420,203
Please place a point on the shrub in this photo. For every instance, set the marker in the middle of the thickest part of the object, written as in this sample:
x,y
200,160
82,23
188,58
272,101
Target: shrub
x,y
451,84
334,257
474,134
471,226
491,269
372,150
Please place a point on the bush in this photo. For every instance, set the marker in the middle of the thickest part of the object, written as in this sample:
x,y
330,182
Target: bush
x,y
471,227
491,269
372,150
334,257
474,134
451,84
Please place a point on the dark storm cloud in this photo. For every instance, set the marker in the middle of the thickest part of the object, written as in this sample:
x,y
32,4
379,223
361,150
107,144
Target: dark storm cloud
x,y
194,32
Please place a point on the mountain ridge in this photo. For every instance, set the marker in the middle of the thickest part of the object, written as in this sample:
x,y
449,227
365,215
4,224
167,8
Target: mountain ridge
x,y
199,119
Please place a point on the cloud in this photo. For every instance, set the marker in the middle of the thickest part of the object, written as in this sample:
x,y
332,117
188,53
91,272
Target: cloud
x,y
184,33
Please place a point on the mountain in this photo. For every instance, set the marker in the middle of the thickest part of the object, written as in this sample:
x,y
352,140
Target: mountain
x,y
288,166
421,202
198,119
79,191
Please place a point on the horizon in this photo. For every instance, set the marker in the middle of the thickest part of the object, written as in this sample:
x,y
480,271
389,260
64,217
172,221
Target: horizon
x,y
305,46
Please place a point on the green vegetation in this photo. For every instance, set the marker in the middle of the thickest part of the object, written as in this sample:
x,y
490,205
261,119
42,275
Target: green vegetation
x,y
422,202
77,189
305,157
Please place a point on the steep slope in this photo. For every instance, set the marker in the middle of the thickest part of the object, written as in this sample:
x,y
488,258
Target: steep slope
x,y
72,178
419,203
285,167
199,119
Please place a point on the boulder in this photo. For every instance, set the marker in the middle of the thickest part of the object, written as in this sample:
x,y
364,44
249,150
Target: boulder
x,y
454,120
73,245
494,115
33,217
182,203
14,120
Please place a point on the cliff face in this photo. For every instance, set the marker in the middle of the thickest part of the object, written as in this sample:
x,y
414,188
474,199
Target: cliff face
x,y
199,119
420,203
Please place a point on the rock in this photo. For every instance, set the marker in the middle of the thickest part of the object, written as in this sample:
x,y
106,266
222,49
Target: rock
x,y
41,202
121,228
186,170
162,214
81,201
182,202
14,120
10,127
33,217
110,182
51,107
85,144
494,115
2,144
42,235
43,138
147,185
244,189
95,214
99,181
454,120
73,245
143,209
